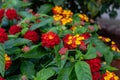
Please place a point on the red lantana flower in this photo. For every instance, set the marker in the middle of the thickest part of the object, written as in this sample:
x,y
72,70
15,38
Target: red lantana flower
x,y
1,13
96,76
1,78
68,41
50,39
11,14
94,64
2,30
3,36
8,62
32,35
14,29
86,35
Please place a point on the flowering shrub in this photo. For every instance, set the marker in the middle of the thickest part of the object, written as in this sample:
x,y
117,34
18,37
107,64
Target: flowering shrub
x,y
62,46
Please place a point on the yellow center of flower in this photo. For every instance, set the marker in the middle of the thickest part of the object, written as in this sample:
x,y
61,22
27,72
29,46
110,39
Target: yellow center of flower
x,y
83,17
50,37
110,76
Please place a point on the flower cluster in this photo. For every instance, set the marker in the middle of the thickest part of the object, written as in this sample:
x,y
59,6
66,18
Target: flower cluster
x,y
1,14
83,17
1,78
32,35
50,39
3,35
10,13
8,62
113,45
95,65
64,16
110,76
14,29
72,42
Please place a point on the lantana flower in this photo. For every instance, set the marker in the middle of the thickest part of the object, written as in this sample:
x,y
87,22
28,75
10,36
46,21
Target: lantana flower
x,y
50,39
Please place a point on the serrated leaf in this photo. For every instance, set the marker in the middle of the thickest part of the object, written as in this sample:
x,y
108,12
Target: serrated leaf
x,y
83,71
108,57
99,45
80,30
91,53
42,23
65,73
15,42
2,60
25,14
13,50
35,52
44,74
45,8
27,68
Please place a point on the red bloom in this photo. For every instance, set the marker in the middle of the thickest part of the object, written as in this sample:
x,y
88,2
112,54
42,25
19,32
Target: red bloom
x,y
83,46
86,35
50,39
32,35
68,41
2,30
14,29
96,76
94,64
63,50
1,13
11,14
3,36
1,78
8,62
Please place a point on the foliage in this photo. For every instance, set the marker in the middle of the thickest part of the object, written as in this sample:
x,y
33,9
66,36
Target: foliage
x,y
93,8
54,46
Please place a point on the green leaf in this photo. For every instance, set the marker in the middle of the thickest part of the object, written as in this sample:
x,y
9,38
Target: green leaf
x,y
93,8
15,77
13,50
82,70
99,45
116,55
108,67
22,4
35,52
60,63
25,14
79,55
58,2
15,42
45,8
80,30
108,57
27,68
2,60
45,74
42,23
24,30
91,53
65,73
